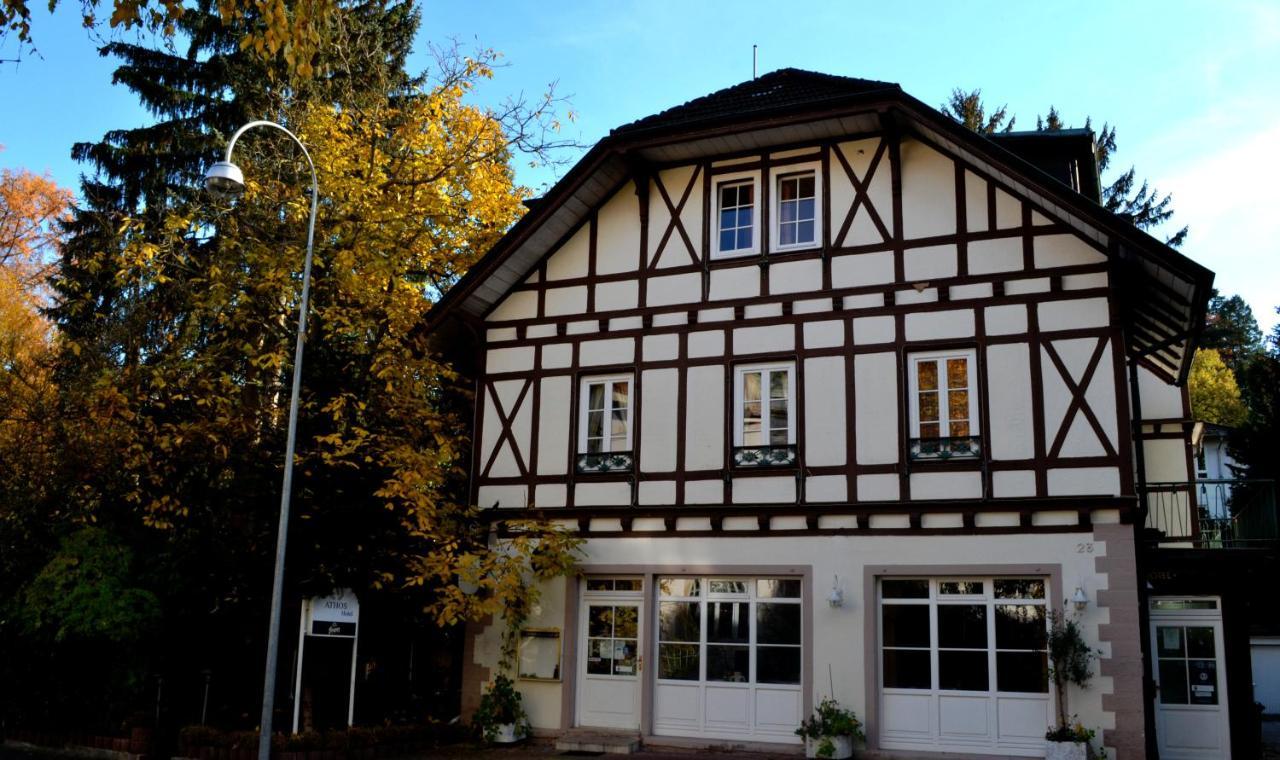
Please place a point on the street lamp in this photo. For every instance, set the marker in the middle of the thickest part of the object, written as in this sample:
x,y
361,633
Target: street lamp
x,y
225,178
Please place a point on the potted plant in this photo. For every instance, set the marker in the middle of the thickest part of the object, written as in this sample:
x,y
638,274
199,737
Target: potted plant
x,y
1068,742
1070,662
830,731
501,715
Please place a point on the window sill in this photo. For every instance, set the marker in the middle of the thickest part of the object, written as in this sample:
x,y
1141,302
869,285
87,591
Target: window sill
x,y
733,255
614,463
801,248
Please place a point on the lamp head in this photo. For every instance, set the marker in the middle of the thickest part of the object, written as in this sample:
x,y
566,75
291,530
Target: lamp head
x,y
224,178
1079,599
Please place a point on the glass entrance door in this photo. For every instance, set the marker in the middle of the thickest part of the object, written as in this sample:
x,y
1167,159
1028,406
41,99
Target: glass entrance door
x,y
610,664
1191,701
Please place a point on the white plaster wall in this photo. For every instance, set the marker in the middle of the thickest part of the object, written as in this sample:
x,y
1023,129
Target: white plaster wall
x,y
555,413
1064,251
571,260
999,255
615,296
928,191
613,351
1012,433
1160,400
936,325
824,402
862,230
659,387
858,269
930,262
875,378
795,277
975,202
673,289
520,304
705,427
675,253
838,633
618,233
541,699
735,282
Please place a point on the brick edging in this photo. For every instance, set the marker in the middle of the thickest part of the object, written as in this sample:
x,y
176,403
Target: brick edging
x,y
1123,631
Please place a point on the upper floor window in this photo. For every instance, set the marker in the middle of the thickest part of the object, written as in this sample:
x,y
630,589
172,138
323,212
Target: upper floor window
x,y
604,424
736,212
797,210
944,410
765,417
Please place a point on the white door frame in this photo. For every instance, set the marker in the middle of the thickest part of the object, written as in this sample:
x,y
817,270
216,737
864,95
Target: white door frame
x,y
622,598
1205,618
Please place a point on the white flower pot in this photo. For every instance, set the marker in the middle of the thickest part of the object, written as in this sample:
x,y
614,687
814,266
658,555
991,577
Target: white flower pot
x,y
1066,751
843,746
508,733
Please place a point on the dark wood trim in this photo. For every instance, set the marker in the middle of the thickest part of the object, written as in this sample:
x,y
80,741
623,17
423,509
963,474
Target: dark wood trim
x,y
592,247
861,195
507,421
675,223
682,416
962,223
733,262
984,399
766,513
851,416
751,166
1078,401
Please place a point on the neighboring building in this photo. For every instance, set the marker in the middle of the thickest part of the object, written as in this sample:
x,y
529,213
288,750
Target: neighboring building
x,y
842,397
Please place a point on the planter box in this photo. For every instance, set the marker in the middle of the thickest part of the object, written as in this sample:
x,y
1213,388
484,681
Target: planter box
x,y
843,746
1066,751
508,733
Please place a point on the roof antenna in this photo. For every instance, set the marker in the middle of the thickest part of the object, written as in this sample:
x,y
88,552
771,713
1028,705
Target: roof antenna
x,y
753,61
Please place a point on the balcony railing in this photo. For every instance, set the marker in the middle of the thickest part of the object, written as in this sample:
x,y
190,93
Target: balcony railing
x,y
607,462
764,456
1213,514
943,449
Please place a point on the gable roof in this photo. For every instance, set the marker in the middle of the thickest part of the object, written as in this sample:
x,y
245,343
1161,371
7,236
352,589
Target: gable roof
x,y
1164,293
778,91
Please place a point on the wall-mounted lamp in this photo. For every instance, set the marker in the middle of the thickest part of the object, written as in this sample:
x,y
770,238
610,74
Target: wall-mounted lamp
x,y
1079,599
836,597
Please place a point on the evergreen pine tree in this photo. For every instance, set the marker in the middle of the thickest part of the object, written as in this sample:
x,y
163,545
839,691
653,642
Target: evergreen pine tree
x,y
212,572
1144,206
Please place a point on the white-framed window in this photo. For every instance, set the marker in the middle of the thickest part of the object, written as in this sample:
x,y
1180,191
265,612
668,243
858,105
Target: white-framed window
x,y
952,648
764,405
604,422
795,210
964,634
943,390
729,630
737,224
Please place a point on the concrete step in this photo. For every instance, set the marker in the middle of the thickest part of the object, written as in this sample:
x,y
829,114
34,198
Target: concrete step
x,y
598,740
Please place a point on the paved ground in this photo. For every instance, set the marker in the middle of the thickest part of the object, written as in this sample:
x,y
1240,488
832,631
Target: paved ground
x,y
541,749
1271,739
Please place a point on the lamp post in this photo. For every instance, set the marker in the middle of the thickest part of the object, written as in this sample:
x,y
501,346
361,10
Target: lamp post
x,y
225,178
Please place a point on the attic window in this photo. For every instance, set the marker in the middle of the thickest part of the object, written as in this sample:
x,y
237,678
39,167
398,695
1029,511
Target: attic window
x,y
736,214
796,198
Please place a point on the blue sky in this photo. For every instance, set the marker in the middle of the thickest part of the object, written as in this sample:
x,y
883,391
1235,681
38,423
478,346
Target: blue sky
x,y
1192,86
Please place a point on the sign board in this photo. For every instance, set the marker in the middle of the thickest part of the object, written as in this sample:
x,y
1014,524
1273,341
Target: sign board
x,y
333,615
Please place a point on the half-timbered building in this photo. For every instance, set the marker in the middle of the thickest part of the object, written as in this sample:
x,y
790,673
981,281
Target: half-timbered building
x,y
844,399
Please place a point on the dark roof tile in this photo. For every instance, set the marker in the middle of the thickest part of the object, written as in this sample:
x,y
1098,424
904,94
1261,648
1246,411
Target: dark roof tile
x,y
781,90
